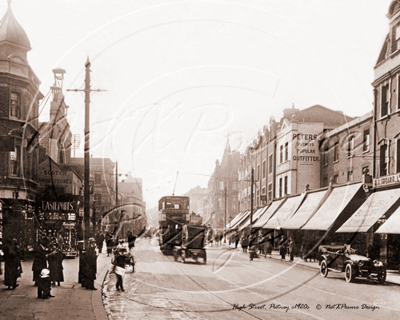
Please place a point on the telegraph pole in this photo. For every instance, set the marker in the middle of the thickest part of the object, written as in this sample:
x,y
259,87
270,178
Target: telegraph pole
x,y
251,198
86,190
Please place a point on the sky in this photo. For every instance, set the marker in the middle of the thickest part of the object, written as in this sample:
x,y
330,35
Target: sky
x,y
182,76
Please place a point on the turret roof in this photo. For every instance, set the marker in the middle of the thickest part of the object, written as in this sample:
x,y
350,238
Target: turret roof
x,y
12,32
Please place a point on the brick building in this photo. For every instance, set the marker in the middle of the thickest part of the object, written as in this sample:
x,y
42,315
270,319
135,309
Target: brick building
x,y
286,155
19,111
221,203
346,151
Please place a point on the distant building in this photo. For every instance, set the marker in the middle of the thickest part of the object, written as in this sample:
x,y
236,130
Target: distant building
x,y
221,203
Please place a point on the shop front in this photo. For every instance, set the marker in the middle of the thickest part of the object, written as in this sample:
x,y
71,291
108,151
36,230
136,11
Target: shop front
x,y
362,225
58,218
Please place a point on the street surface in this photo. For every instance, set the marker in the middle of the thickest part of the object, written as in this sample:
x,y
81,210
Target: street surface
x,y
231,287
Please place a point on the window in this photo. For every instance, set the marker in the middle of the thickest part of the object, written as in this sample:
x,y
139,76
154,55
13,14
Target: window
x,y
336,152
385,100
286,151
335,178
383,160
325,151
366,140
97,178
325,182
270,163
286,185
15,110
350,176
97,198
281,154
264,173
14,161
221,185
258,172
280,187
350,147
270,192
398,156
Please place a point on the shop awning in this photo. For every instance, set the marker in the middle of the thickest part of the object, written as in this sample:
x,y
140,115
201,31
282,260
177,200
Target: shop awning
x,y
370,211
268,213
241,220
330,210
306,210
235,220
392,225
256,216
284,212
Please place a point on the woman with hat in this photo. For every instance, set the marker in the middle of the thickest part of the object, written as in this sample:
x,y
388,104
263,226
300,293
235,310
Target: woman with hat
x,y
12,265
55,265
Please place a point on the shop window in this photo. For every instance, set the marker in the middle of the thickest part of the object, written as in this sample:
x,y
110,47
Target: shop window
x,y
383,165
385,94
15,108
336,152
15,159
366,141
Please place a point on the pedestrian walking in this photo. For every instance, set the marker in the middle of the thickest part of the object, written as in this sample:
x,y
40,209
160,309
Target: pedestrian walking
x,y
39,259
12,265
282,248
100,241
120,262
55,259
253,241
60,241
91,265
237,239
244,242
109,243
269,245
291,249
131,240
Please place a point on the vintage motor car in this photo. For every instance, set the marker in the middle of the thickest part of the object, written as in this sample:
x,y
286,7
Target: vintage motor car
x,y
193,243
345,259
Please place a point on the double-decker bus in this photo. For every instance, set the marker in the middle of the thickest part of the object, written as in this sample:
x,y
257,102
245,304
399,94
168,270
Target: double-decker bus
x,y
173,213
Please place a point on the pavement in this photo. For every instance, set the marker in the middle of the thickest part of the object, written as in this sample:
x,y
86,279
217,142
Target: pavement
x,y
393,276
71,300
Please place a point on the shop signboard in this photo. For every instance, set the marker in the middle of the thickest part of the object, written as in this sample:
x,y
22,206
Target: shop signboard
x,y
386,181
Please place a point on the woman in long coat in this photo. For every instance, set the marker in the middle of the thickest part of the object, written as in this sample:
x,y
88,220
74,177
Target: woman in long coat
x,y
55,266
91,265
12,266
282,248
39,261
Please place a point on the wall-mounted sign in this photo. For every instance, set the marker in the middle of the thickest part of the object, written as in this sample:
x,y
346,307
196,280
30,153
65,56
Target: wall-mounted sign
x,y
387,180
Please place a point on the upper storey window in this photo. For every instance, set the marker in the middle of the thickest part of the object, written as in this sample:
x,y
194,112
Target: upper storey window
x,y
15,107
385,100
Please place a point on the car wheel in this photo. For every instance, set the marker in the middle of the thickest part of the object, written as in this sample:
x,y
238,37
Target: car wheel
x,y
381,276
349,273
324,269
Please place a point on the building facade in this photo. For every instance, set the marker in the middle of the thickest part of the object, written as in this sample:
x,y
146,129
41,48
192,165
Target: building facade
x,y
285,157
19,111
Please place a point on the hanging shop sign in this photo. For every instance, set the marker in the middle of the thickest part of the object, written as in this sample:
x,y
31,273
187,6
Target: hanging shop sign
x,y
387,181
